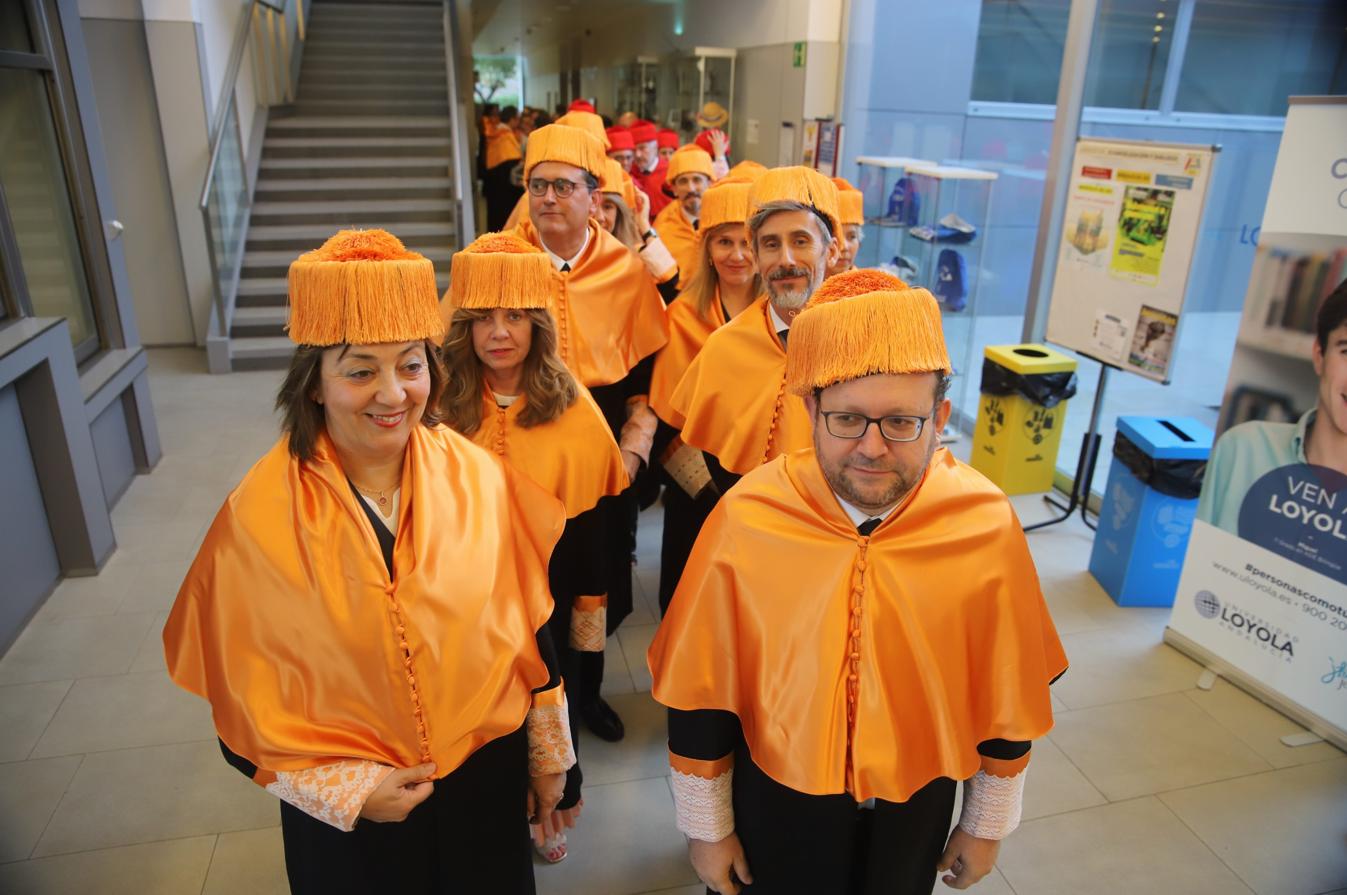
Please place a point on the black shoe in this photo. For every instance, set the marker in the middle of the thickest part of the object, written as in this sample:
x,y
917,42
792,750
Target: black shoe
x,y
602,721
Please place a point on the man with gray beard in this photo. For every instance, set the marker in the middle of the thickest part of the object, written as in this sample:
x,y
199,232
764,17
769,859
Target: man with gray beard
x,y
731,406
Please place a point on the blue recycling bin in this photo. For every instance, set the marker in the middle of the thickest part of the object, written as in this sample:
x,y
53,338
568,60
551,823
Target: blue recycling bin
x,y
1149,505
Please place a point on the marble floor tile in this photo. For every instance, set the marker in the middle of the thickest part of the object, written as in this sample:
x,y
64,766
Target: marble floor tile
x,y
156,587
616,678
625,842
642,754
1054,785
141,795
1130,749
1116,664
75,647
172,867
1259,725
25,711
635,641
29,793
1283,832
249,861
150,656
123,711
1129,848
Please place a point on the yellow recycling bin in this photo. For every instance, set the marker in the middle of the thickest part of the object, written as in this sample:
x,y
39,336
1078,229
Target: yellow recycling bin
x,y
1020,415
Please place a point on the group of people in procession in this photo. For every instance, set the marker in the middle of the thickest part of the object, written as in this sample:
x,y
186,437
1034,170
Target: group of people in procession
x,y
399,615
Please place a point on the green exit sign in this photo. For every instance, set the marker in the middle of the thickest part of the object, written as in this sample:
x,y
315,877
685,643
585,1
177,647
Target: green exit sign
x,y
797,58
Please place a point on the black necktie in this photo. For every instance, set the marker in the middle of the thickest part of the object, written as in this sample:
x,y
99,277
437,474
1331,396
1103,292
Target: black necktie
x,y
782,336
868,526
566,267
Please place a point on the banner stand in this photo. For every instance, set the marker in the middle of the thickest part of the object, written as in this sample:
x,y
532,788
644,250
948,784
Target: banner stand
x,y
1089,455
1319,726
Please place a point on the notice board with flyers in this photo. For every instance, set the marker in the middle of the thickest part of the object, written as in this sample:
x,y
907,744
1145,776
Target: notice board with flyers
x,y
1133,213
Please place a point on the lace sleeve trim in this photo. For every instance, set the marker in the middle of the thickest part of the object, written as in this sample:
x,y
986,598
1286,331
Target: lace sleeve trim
x,y
992,805
589,623
333,793
549,733
704,808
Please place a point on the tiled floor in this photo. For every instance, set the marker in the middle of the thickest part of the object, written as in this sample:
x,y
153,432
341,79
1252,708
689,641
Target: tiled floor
x,y
110,780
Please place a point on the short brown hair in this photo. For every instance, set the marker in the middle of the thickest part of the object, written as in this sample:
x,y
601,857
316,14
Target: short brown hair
x,y
302,417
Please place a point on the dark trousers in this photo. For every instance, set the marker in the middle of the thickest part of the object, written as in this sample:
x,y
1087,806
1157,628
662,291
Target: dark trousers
x,y
797,843
470,836
500,194
683,520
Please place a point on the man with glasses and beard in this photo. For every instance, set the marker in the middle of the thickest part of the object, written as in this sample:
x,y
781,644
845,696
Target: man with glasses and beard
x,y
859,626
732,402
610,322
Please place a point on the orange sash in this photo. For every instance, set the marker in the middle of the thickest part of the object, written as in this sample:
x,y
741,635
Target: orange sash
x,y
502,145
288,624
680,239
574,457
732,402
956,645
609,314
688,332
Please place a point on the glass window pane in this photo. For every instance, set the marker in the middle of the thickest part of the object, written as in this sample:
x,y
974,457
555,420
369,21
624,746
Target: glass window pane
x,y
14,33
32,174
1246,58
1020,45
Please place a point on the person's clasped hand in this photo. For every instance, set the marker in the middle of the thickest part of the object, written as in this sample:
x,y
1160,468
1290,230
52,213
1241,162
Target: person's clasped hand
x,y
545,793
967,858
400,792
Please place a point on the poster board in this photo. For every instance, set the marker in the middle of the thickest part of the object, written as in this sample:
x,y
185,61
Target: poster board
x,y
1262,598
1133,213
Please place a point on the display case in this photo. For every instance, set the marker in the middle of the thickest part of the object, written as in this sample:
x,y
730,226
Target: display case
x,y
704,75
878,177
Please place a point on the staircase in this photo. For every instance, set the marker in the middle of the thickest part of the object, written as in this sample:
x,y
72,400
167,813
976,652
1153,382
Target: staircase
x,y
366,144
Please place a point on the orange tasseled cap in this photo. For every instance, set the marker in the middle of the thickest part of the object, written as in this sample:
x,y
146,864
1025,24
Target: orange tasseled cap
x,y
502,270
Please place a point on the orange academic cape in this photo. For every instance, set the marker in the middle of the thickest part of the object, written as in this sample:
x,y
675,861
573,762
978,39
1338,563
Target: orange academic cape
x,y
502,144
609,314
732,401
573,458
688,332
680,239
956,645
289,625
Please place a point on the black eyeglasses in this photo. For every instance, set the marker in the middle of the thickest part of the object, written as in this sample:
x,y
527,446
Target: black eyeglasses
x,y
844,424
562,187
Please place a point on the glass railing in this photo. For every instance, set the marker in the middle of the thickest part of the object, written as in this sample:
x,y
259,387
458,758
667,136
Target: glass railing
x,y
270,34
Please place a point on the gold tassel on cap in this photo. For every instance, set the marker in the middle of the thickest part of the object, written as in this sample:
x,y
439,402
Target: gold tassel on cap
x,y
839,339
362,287
798,184
617,181
568,145
589,123
850,202
500,270
748,168
857,281
726,202
690,159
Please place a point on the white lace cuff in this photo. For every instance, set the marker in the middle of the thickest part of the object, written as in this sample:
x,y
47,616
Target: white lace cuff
x,y
704,807
333,793
659,261
589,623
638,432
549,733
991,805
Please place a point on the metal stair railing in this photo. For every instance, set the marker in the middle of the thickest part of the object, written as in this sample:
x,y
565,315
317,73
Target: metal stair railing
x,y
274,30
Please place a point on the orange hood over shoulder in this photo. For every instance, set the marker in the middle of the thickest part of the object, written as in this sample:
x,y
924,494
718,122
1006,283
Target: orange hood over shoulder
x,y
574,458
609,313
688,332
956,644
289,624
732,401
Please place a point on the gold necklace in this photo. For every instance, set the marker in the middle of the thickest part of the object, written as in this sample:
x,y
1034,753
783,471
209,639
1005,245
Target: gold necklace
x,y
380,497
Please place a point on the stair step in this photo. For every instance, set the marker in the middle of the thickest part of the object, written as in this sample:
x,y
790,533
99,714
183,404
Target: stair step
x,y
430,89
384,33
369,106
348,147
387,166
357,44
272,264
301,237
338,188
359,126
322,73
352,212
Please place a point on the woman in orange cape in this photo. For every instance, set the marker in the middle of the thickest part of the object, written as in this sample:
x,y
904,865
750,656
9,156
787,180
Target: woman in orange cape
x,y
367,613
724,283
511,394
